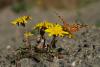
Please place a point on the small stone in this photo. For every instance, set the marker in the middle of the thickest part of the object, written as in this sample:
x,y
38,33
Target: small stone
x,y
74,64
8,47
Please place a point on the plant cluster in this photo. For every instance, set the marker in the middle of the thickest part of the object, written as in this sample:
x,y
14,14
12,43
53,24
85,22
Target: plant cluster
x,y
42,50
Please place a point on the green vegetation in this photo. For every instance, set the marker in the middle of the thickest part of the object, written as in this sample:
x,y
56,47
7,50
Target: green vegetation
x,y
83,3
19,7
97,23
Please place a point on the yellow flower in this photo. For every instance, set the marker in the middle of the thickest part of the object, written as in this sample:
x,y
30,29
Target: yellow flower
x,y
44,24
70,36
21,20
56,30
28,34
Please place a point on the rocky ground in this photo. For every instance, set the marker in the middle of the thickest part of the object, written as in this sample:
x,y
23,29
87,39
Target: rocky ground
x,y
82,51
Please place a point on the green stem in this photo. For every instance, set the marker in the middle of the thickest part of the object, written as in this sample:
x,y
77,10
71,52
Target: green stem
x,y
53,42
42,32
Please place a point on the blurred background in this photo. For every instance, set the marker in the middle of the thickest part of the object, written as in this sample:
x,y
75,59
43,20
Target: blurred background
x,y
82,11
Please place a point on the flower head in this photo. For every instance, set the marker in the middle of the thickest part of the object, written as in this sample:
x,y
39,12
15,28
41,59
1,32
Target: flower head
x,y
28,34
21,20
44,24
56,30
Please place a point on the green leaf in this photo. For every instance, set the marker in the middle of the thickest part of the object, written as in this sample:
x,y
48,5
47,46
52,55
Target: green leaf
x,y
35,32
